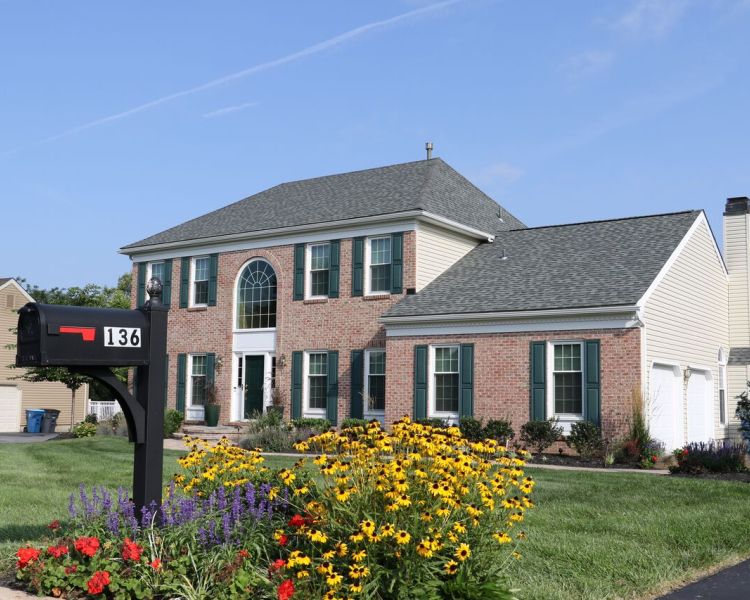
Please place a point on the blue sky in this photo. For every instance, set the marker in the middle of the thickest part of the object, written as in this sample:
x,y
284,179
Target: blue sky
x,y
122,119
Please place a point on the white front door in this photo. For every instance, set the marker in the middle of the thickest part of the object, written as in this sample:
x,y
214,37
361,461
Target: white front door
x,y
665,409
700,407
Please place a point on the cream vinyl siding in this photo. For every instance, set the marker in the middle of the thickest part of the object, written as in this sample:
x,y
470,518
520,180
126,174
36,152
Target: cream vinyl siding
x,y
736,246
686,315
34,395
437,250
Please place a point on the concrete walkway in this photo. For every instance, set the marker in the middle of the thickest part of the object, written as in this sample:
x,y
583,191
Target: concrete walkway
x,y
25,438
730,584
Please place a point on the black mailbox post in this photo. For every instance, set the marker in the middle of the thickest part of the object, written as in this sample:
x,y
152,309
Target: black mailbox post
x,y
90,341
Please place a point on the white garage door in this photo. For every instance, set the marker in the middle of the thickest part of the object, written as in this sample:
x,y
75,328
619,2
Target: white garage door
x,y
700,407
665,410
10,408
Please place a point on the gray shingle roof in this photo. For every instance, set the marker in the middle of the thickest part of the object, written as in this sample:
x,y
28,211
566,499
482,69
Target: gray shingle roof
x,y
604,263
429,185
4,280
739,356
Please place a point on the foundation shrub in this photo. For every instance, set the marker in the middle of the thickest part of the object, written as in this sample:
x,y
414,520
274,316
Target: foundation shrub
x,y
172,422
711,457
587,440
540,435
499,430
83,429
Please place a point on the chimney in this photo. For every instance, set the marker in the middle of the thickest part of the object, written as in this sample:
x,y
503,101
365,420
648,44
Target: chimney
x,y
737,257
428,147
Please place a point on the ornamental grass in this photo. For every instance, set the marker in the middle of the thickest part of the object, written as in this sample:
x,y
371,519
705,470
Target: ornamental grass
x,y
417,512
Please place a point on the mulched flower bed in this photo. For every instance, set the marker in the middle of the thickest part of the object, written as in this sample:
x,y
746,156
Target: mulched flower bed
x,y
567,460
744,477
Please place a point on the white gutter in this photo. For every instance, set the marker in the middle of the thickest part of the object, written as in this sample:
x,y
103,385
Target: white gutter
x,y
511,315
420,215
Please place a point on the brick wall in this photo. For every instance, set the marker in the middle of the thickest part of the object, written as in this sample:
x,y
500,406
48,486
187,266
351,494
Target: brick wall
x,y
501,373
346,323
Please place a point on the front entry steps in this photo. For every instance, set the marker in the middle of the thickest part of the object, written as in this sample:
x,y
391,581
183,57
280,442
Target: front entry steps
x,y
212,434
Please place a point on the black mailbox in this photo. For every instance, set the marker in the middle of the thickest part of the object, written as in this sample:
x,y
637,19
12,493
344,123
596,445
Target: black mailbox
x,y
54,335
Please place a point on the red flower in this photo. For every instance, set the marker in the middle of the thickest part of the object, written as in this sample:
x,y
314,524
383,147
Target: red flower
x,y
297,521
99,580
277,564
26,555
131,550
685,452
71,569
283,539
243,554
286,590
87,545
57,551
54,525
155,564
654,458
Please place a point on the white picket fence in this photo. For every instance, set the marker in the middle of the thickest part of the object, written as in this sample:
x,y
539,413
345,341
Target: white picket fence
x,y
103,410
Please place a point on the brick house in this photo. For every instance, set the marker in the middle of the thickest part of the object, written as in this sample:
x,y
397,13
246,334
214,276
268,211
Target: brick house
x,y
406,290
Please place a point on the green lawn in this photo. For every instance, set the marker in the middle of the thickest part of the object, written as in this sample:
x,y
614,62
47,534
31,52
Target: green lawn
x,y
592,536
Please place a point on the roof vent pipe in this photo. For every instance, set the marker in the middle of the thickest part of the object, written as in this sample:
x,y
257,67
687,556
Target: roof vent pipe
x,y
428,147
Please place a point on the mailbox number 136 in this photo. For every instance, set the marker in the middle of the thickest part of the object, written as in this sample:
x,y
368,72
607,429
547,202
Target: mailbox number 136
x,y
122,337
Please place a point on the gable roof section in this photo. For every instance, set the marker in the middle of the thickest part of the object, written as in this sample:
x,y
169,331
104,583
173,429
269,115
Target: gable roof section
x,y
7,281
581,265
427,185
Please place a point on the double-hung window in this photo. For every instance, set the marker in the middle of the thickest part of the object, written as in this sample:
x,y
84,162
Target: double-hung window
x,y
379,258
317,382
319,267
155,269
445,381
197,379
374,382
199,284
567,379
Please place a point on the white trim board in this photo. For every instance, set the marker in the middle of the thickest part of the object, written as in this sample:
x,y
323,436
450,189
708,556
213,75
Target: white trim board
x,y
378,224
622,322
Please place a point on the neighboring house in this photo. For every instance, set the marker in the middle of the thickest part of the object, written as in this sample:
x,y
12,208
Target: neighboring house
x,y
16,396
405,290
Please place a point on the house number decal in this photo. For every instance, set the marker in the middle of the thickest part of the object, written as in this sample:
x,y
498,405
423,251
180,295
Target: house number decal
x,y
122,337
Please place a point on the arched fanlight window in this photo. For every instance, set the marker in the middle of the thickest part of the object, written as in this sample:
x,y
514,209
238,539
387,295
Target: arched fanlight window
x,y
256,296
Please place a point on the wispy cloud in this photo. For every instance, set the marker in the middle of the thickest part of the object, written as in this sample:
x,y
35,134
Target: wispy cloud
x,y
259,68
587,64
229,109
652,17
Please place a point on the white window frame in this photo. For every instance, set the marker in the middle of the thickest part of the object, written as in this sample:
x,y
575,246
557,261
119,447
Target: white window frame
x,y
723,387
149,274
451,417
306,410
191,282
366,411
308,270
189,382
368,259
566,419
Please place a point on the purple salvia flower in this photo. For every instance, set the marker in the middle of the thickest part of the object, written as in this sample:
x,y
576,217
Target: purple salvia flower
x,y
227,527
222,498
202,537
72,506
106,500
87,508
250,497
113,523
236,505
212,533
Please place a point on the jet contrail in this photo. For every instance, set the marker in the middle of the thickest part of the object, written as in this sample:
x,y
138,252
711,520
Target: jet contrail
x,y
310,50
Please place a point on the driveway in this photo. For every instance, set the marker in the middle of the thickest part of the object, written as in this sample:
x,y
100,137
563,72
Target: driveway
x,y
25,438
730,584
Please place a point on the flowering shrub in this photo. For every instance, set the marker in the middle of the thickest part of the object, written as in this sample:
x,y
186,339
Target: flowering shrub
x,y
711,457
417,512
83,429
420,511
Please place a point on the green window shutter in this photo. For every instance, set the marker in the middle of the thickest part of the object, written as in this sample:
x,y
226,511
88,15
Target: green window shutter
x,y
166,380
333,272
184,282
213,277
358,266
420,382
167,283
397,263
210,368
466,404
296,385
357,368
332,401
299,271
593,382
538,409
141,297
181,375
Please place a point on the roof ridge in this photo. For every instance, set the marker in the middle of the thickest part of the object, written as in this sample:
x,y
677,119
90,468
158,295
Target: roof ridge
x,y
380,168
669,214
427,180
